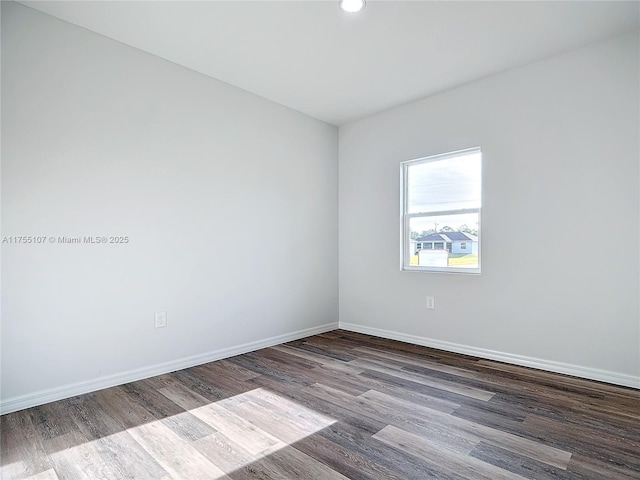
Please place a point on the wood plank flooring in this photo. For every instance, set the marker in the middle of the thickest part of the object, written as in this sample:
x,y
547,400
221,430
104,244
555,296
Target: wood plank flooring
x,y
334,406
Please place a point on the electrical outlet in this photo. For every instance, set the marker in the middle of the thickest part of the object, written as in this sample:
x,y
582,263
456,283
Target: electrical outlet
x,y
161,319
431,303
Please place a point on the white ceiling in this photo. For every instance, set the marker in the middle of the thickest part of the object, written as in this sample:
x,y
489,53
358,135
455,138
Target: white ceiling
x,y
337,67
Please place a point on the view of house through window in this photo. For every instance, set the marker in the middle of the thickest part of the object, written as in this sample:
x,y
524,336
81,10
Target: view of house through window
x,y
441,201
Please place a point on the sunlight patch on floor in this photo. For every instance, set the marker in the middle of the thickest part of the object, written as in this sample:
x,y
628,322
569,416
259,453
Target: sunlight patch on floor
x,y
247,427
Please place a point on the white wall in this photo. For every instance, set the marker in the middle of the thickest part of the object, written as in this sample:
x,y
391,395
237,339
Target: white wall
x,y
214,187
560,142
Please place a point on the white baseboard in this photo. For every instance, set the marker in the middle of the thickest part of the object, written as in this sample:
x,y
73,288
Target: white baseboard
x,y
45,396
557,367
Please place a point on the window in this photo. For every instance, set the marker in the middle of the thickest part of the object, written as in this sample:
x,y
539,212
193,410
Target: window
x,y
440,206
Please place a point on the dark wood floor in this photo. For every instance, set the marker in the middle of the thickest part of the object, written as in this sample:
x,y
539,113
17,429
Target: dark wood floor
x,y
337,405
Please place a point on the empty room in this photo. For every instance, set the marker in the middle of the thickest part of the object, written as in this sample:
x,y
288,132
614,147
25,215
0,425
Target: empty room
x,y
320,240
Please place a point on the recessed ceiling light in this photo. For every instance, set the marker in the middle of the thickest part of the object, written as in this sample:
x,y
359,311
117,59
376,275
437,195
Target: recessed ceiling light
x,y
352,6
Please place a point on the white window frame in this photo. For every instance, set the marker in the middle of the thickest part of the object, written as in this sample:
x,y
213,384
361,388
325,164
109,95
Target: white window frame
x,y
405,233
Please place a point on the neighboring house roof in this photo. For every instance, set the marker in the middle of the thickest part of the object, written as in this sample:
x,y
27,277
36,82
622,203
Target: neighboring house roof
x,y
448,237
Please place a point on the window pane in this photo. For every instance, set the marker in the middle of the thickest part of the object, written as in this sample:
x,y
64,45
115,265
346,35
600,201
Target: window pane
x,y
449,184
446,241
